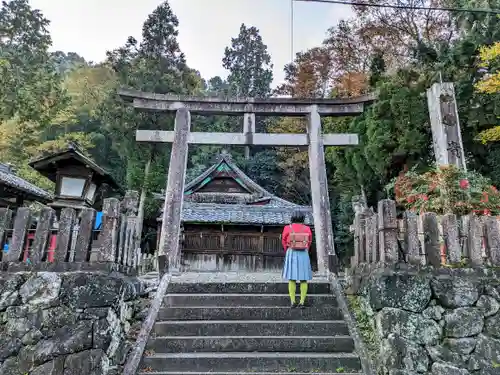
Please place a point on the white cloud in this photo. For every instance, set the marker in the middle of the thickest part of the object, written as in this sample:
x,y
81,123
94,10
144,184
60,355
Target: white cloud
x,y
92,27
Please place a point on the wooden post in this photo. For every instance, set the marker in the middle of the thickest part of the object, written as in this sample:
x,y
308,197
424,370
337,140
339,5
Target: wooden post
x,y
319,191
169,240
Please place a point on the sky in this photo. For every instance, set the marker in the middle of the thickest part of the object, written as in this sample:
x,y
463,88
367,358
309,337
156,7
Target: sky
x,y
92,27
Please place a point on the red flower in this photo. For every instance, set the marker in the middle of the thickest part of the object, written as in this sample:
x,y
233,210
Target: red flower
x,y
493,189
424,197
464,184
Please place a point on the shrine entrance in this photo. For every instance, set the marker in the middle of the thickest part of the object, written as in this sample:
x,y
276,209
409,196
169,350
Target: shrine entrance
x,y
181,137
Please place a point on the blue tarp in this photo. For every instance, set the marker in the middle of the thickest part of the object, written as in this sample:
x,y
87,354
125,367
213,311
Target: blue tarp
x,y
98,220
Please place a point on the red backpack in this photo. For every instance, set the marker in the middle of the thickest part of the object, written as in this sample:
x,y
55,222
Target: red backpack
x,y
298,240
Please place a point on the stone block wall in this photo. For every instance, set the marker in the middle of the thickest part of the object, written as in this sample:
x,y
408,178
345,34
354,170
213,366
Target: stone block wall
x,y
77,323
439,321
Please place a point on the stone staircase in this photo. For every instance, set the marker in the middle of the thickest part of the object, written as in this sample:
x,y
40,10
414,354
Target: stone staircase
x,y
248,328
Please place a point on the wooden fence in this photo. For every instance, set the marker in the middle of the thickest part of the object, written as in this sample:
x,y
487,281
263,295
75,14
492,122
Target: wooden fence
x,y
425,239
237,242
68,241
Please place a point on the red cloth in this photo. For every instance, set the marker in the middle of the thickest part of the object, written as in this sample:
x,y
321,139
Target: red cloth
x,y
297,228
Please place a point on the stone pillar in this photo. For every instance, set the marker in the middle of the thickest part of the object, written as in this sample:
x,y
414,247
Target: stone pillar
x,y
38,252
411,238
445,124
108,238
66,222
319,191
388,231
451,239
432,246
170,230
249,130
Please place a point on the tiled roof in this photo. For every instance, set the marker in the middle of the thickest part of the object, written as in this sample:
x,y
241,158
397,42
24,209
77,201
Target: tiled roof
x,y
47,164
240,213
257,190
11,180
236,208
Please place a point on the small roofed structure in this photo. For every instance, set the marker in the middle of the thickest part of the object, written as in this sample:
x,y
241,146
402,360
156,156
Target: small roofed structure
x,y
229,222
14,190
78,178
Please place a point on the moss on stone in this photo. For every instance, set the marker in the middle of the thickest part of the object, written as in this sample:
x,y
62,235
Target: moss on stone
x,y
365,325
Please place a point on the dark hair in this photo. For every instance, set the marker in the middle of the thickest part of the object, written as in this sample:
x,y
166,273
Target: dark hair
x,y
298,217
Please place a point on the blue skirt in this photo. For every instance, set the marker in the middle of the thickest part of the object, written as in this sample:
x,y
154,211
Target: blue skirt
x,y
297,266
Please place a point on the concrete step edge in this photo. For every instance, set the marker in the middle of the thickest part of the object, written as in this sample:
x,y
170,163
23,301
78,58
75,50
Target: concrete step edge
x,y
243,294
247,373
244,307
197,322
253,355
249,337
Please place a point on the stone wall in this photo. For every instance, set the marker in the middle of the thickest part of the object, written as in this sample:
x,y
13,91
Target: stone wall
x,y
417,320
77,323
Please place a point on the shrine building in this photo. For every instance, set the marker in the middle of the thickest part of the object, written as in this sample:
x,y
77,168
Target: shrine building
x,y
230,223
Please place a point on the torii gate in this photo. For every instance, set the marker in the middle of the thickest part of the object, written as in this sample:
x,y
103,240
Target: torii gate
x,y
313,109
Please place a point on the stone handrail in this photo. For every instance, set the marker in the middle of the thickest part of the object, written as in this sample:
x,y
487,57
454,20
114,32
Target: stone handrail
x,y
361,350
135,357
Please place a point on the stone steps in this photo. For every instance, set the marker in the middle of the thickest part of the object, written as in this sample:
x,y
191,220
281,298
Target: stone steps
x,y
324,312
252,362
251,328
241,300
246,373
244,288
205,344
248,328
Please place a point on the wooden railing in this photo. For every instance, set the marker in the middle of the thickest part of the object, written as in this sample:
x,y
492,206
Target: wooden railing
x,y
238,243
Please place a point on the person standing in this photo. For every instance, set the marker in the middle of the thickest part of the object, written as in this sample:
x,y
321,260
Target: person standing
x,y
296,240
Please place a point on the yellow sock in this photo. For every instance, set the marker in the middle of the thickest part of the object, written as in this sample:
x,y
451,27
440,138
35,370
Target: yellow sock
x,y
292,289
303,292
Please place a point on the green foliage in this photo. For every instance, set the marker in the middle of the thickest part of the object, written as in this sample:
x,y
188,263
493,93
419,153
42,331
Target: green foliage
x,y
29,85
366,326
249,64
447,190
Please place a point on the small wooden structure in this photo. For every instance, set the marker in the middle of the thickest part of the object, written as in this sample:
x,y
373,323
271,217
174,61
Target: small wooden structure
x,y
14,190
78,179
229,222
